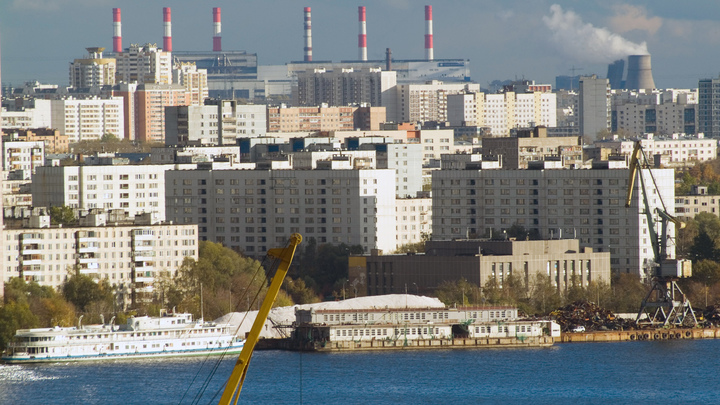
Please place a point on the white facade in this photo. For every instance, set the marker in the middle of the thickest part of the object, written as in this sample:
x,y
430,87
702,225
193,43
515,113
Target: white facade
x,y
134,189
93,71
144,64
220,124
253,210
88,119
112,253
678,147
585,204
38,116
437,142
414,219
462,110
426,102
194,80
23,157
509,110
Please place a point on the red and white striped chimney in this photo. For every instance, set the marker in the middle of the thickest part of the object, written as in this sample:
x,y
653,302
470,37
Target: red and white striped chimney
x,y
217,38
428,34
167,25
308,36
362,36
117,31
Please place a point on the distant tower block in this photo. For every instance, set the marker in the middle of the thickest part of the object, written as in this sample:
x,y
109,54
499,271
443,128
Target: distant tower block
x,y
429,54
308,36
217,31
167,26
388,59
615,74
639,74
362,36
117,31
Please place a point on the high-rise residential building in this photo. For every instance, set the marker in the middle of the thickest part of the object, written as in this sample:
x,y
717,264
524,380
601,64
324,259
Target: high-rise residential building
x,y
665,112
88,119
587,204
31,113
129,254
93,70
221,122
145,108
194,80
594,105
708,107
345,87
135,189
673,150
534,145
323,118
425,102
144,64
22,157
251,211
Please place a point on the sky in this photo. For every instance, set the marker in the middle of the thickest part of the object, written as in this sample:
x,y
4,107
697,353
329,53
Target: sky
x,y
503,39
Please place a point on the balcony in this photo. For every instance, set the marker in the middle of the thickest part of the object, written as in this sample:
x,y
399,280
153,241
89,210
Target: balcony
x,y
31,260
30,249
144,256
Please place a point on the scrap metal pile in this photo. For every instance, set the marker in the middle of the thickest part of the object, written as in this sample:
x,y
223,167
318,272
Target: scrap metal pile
x,y
591,316
711,315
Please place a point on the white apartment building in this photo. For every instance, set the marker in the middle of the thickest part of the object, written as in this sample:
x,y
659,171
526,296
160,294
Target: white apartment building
x,y
586,204
505,111
219,124
435,142
93,71
251,211
194,80
345,86
144,64
414,219
36,116
698,201
462,110
23,157
678,148
135,189
426,102
122,254
88,119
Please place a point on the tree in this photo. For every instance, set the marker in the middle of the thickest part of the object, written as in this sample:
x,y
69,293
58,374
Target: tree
x,y
13,316
299,292
704,247
82,290
544,296
627,293
62,215
460,292
706,272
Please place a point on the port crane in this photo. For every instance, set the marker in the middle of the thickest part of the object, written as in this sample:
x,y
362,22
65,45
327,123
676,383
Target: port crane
x,y
665,304
282,259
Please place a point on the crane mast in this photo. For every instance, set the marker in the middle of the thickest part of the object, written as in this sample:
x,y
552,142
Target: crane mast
x,y
665,304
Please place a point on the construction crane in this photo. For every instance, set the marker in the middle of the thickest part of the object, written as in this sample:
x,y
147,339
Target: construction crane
x,y
665,304
283,257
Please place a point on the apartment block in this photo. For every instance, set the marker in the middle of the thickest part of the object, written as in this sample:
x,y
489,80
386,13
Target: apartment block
x,y
323,118
52,141
220,122
534,145
414,219
194,80
251,211
22,158
93,70
587,204
129,255
594,106
676,149
345,87
134,189
698,201
88,119
144,64
426,102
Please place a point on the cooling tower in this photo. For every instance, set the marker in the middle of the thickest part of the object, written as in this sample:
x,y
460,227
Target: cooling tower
x,y
639,74
615,74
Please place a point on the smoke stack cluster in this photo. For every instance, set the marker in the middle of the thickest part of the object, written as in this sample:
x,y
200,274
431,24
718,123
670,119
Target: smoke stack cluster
x,y
428,34
639,75
217,39
167,38
308,36
117,31
362,36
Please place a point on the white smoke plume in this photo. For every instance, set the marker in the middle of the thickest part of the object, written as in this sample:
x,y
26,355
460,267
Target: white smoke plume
x,y
585,42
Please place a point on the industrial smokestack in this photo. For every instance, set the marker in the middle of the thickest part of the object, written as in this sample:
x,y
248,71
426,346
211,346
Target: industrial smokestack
x,y
362,36
639,74
167,38
308,36
428,34
217,38
117,31
388,59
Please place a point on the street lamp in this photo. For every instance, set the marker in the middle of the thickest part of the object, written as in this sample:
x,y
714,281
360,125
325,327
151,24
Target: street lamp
x,y
417,289
344,281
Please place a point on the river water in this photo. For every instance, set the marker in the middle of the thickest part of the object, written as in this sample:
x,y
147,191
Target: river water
x,y
677,371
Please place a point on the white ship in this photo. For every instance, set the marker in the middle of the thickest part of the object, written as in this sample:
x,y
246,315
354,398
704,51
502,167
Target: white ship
x,y
141,337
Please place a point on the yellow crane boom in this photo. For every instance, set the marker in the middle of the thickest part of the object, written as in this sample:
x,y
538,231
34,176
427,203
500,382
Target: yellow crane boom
x,y
284,256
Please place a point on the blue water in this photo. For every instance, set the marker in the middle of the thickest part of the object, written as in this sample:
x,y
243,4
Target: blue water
x,y
632,372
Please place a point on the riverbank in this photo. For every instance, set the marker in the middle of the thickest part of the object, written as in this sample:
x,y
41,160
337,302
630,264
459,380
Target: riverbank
x,y
639,335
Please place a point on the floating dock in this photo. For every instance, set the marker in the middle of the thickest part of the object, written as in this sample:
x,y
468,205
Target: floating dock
x,y
639,335
401,344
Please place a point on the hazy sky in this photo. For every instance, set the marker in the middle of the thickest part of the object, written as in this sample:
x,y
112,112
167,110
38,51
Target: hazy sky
x,y
503,39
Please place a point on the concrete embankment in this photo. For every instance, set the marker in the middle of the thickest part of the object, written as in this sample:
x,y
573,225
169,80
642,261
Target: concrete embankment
x,y
401,344
639,335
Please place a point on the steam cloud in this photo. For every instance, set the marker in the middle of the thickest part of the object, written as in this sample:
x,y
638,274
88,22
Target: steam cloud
x,y
585,42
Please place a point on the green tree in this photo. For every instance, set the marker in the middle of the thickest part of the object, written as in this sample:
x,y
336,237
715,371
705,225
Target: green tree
x,y
544,296
706,272
299,292
62,215
627,293
704,247
13,316
82,290
460,292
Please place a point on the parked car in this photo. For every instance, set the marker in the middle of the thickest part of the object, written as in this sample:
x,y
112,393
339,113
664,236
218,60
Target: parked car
x,y
578,328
